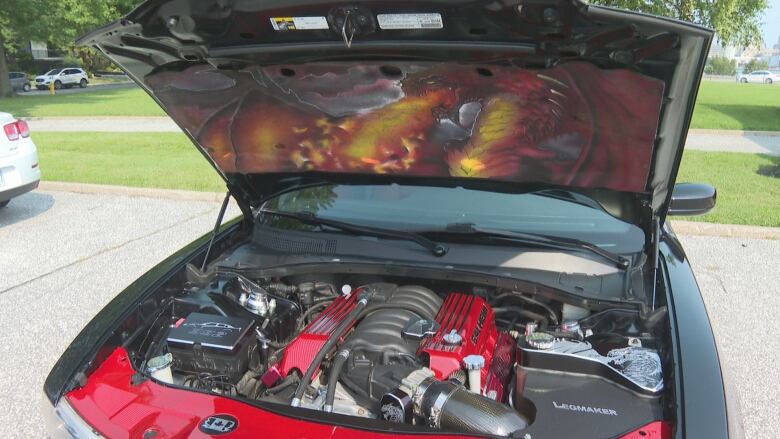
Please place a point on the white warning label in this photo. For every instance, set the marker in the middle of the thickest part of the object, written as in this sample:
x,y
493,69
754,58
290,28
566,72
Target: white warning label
x,y
410,21
299,23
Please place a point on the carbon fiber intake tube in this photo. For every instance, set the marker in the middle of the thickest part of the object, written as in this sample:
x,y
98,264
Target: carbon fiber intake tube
x,y
452,407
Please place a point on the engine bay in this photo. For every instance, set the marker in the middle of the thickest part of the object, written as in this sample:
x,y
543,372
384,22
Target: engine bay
x,y
429,354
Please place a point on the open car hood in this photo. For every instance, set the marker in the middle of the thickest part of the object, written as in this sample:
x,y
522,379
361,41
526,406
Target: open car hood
x,y
502,94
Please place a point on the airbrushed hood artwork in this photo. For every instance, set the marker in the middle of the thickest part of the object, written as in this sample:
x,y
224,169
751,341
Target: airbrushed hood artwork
x,y
574,124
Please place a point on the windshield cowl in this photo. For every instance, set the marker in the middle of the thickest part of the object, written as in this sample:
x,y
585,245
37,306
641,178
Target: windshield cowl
x,y
567,221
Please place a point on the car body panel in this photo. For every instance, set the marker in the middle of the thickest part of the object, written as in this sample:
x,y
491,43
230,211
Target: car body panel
x,y
561,128
406,106
704,404
19,170
242,101
118,408
103,326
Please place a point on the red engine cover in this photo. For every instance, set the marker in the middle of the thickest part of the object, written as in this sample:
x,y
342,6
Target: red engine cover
x,y
301,351
499,373
473,319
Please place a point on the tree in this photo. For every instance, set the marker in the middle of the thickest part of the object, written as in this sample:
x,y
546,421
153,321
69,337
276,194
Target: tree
x,y
58,22
720,65
756,64
736,21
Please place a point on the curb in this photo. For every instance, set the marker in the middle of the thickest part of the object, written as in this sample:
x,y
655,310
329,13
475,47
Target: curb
x,y
127,191
680,227
741,133
725,230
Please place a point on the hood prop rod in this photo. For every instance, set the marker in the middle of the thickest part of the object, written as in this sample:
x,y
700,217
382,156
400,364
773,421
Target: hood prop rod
x,y
220,216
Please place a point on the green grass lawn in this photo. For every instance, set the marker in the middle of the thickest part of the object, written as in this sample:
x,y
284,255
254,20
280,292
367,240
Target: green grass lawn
x,y
748,185
116,102
733,106
159,160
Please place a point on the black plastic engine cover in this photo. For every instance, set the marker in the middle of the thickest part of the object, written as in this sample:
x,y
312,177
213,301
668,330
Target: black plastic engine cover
x,y
380,356
213,344
381,331
586,404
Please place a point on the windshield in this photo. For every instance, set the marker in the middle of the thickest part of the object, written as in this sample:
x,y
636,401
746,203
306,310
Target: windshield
x,y
51,72
421,208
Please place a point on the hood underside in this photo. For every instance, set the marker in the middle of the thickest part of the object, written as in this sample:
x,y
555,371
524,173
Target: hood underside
x,y
544,93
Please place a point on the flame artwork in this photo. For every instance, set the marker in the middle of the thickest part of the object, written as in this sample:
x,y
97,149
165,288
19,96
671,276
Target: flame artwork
x,y
573,125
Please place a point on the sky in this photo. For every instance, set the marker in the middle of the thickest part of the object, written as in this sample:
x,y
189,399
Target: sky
x,y
772,23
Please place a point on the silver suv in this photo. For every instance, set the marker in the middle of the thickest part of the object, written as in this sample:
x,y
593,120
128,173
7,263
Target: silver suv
x,y
67,78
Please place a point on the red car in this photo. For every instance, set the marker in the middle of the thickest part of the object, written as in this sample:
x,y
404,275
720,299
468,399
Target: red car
x,y
454,223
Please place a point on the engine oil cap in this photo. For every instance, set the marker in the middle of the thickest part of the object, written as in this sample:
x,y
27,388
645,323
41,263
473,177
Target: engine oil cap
x,y
452,338
540,340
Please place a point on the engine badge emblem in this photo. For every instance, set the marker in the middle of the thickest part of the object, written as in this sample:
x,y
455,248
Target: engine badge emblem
x,y
218,424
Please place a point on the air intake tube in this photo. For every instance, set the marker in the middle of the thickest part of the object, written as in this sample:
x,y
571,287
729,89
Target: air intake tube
x,y
452,407
449,406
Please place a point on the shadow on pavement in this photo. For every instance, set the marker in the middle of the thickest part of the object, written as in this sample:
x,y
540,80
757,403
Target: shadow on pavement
x,y
772,170
25,207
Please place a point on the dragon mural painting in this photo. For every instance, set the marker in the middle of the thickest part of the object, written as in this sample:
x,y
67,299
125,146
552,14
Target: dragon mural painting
x,y
574,124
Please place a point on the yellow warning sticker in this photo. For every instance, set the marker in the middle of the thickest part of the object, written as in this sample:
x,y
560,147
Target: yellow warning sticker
x,y
298,23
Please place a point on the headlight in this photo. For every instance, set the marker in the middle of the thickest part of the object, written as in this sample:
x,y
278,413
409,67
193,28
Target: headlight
x,y
62,422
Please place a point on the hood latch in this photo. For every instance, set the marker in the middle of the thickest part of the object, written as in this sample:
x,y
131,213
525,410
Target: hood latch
x,y
350,21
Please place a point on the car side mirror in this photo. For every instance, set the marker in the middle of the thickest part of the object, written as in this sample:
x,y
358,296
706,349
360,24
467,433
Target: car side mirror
x,y
692,199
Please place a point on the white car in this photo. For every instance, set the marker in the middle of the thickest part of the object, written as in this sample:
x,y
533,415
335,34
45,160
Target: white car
x,y
19,170
67,77
760,77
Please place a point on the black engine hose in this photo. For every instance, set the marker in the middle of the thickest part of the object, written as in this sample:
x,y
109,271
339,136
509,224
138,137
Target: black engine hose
x,y
310,311
291,380
335,370
522,312
550,311
329,344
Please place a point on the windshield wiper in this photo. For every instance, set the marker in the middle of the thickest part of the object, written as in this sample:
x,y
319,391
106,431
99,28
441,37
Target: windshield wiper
x,y
469,229
434,247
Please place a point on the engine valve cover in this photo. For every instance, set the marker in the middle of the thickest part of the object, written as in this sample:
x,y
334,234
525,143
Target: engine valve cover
x,y
467,326
301,351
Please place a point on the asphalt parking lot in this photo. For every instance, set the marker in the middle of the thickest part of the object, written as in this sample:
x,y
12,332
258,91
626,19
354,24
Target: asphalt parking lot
x,y
65,255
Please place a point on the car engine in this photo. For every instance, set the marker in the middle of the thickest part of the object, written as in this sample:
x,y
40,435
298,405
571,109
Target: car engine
x,y
450,357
